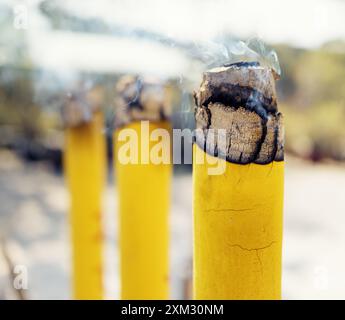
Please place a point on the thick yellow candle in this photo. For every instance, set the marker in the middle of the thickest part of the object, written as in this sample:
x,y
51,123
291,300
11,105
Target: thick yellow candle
x,y
85,166
238,210
144,202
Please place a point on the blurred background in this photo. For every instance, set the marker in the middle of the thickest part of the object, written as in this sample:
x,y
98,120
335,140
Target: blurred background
x,y
49,49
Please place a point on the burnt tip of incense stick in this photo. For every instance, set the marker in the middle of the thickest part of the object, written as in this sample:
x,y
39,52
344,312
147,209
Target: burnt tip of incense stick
x,y
75,112
79,107
236,108
141,99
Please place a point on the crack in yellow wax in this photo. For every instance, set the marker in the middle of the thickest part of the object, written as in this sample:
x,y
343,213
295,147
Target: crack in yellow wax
x,y
237,230
85,166
144,201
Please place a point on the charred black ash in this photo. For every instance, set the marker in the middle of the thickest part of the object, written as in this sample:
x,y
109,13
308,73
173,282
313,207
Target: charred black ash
x,y
241,100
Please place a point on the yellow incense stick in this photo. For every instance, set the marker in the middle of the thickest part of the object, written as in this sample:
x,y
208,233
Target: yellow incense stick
x,y
85,166
143,189
238,213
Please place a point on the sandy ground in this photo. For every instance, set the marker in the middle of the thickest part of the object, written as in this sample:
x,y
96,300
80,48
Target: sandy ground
x,y
34,222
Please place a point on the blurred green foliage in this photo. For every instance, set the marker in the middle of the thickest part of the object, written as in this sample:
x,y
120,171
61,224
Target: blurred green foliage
x,y
312,96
